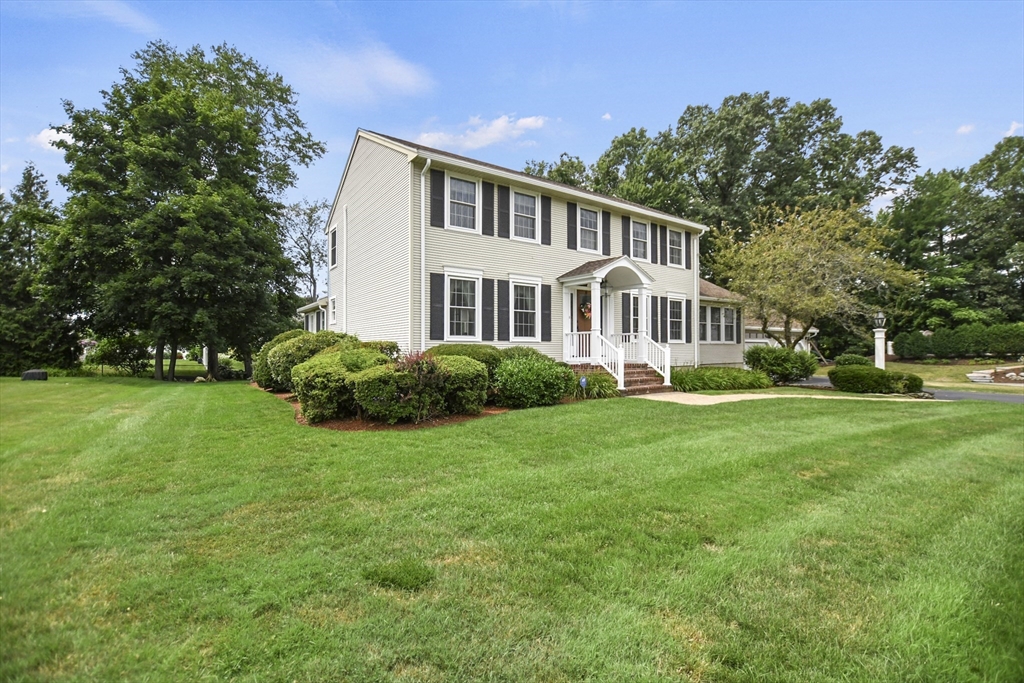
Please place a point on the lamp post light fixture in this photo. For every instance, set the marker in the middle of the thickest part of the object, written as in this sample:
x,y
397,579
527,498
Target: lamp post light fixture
x,y
880,340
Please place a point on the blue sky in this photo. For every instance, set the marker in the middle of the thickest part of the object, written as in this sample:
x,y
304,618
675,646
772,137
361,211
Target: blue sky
x,y
508,82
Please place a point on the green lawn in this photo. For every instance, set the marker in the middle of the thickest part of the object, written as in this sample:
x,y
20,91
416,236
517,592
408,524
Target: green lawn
x,y
170,532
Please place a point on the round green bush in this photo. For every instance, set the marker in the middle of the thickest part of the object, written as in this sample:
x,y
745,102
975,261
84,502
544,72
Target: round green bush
x,y
465,384
321,388
780,364
529,382
388,348
718,379
522,352
261,369
599,385
852,359
287,355
485,353
861,379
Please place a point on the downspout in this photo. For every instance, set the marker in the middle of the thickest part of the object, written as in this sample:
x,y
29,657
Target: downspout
x,y
696,304
423,256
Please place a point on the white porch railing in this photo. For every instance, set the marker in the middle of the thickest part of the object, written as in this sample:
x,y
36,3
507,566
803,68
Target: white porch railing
x,y
658,357
630,345
591,347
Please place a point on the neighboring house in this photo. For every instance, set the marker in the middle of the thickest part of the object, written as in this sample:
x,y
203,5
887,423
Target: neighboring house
x,y
314,315
427,247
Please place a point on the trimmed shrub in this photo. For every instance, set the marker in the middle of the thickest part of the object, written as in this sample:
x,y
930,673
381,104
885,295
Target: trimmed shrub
x,y
911,345
388,348
321,388
1006,340
852,359
287,355
780,364
485,353
357,360
972,339
871,380
523,352
599,385
946,344
718,379
465,384
411,389
530,382
261,369
129,354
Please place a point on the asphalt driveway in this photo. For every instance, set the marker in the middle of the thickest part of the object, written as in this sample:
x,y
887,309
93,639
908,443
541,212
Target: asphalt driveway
x,y
942,394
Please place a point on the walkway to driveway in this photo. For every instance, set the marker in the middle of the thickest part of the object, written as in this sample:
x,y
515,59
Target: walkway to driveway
x,y
710,400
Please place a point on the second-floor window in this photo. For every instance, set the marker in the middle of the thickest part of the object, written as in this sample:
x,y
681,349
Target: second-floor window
x,y
462,203
640,240
524,216
334,248
590,231
675,248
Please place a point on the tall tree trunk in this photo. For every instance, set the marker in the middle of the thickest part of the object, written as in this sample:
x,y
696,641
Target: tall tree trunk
x,y
158,365
211,361
247,359
173,361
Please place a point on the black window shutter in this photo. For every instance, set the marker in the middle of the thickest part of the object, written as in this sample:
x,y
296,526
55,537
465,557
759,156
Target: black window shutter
x,y
627,313
653,240
689,321
688,248
503,209
606,233
570,225
664,319
545,220
664,245
487,310
625,235
502,310
437,199
545,312
488,209
740,332
437,294
653,322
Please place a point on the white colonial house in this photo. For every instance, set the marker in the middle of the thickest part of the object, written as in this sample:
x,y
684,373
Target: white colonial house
x,y
428,247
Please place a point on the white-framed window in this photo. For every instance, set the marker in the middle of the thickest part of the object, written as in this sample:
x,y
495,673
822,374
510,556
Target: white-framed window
x,y
675,248
675,320
463,307
589,230
703,323
639,240
334,247
729,323
524,308
525,216
636,314
463,204
717,324
334,310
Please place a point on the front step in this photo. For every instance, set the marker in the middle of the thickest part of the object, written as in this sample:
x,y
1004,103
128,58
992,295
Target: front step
x,y
640,389
639,378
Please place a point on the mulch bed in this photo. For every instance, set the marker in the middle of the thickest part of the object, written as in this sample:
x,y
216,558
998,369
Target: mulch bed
x,y
354,424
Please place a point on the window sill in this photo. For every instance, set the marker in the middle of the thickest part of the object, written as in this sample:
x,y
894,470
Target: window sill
x,y
524,239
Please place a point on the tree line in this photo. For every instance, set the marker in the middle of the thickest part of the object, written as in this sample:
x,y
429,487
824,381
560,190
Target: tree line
x,y
787,195
174,232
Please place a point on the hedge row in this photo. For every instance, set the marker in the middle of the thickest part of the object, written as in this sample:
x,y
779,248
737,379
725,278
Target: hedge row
x,y
718,379
853,359
780,364
975,339
862,379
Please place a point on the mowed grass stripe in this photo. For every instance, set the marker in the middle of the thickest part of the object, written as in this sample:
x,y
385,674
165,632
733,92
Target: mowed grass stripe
x,y
781,540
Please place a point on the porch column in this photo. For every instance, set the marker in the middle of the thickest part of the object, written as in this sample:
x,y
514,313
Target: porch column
x,y
567,313
595,317
641,336
611,318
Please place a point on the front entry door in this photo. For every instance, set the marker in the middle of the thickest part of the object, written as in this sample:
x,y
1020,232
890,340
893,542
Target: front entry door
x,y
583,313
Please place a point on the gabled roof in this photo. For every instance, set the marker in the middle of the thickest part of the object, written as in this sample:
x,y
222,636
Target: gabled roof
x,y
523,178
622,269
709,290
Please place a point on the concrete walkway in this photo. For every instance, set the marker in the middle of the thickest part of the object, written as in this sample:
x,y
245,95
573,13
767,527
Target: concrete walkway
x,y
710,400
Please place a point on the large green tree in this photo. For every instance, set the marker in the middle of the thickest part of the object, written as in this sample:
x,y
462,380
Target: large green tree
x,y
719,166
33,331
964,231
805,266
174,198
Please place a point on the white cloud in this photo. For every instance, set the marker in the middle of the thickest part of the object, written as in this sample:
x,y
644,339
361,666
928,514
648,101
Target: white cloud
x,y
607,117
46,137
1014,127
4,168
114,11
363,76
965,129
478,133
